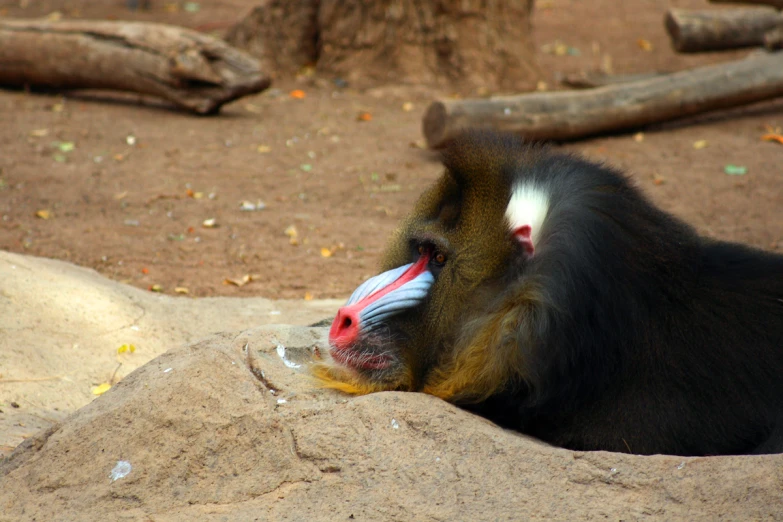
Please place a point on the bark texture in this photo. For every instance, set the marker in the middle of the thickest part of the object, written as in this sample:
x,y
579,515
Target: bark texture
x,y
194,71
459,44
699,31
576,114
282,34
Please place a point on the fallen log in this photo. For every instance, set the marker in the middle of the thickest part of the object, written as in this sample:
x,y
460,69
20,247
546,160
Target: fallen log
x,y
568,115
699,31
777,4
194,71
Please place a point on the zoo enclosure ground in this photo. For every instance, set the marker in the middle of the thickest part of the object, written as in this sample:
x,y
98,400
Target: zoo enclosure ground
x,y
126,185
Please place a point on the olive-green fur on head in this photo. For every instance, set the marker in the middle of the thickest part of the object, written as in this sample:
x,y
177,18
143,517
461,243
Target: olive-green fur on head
x,y
463,213
458,342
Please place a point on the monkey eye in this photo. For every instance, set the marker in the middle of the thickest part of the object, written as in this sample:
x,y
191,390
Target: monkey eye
x,y
435,255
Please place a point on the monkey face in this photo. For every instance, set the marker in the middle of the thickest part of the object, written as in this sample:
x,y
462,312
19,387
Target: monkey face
x,y
362,337
400,326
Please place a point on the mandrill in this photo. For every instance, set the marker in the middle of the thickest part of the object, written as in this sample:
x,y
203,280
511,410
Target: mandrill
x,y
547,294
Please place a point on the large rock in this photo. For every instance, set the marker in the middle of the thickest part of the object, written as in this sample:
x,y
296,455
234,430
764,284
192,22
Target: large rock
x,y
61,326
231,428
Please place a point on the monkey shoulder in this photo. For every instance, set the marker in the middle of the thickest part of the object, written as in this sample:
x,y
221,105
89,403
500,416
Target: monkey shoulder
x,y
725,255
744,269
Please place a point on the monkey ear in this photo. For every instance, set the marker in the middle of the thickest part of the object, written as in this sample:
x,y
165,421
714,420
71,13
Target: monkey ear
x,y
526,211
523,235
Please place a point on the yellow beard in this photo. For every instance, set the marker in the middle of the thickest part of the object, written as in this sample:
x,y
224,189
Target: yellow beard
x,y
329,374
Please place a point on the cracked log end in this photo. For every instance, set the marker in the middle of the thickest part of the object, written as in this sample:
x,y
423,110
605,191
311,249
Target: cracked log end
x,y
434,124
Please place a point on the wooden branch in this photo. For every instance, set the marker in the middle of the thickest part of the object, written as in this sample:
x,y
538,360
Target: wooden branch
x,y
593,79
192,70
576,114
698,31
777,4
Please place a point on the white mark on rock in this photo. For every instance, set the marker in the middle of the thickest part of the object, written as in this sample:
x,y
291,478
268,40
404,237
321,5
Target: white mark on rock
x,y
275,312
395,424
134,328
121,470
682,465
167,370
281,354
281,401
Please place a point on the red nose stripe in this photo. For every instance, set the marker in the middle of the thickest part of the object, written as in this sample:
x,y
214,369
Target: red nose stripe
x,y
345,328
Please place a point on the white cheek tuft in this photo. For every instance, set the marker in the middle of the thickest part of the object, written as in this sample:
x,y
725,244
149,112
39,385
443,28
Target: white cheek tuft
x,y
528,207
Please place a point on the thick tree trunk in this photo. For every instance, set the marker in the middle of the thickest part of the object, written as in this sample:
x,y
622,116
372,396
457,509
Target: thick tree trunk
x,y
192,70
698,31
282,34
576,114
457,44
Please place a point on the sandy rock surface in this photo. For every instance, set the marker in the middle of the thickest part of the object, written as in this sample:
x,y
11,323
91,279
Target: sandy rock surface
x,y
231,428
61,326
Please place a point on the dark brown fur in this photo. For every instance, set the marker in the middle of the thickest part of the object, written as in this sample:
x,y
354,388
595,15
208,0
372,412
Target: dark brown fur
x,y
626,331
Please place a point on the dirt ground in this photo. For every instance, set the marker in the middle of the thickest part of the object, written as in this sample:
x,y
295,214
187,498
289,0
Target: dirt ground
x,y
124,185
